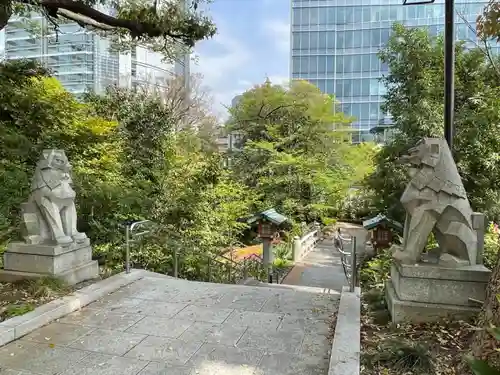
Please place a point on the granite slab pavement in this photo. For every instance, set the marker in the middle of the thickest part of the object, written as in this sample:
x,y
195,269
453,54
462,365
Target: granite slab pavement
x,y
159,326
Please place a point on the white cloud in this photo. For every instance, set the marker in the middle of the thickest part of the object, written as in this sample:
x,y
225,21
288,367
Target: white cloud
x,y
244,83
279,33
217,68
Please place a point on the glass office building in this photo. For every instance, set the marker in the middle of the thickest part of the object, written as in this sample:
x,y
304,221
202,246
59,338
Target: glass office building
x,y
334,45
79,59
142,67
82,60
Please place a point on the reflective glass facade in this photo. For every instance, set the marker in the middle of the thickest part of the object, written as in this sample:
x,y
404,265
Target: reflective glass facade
x,y
142,67
334,45
79,59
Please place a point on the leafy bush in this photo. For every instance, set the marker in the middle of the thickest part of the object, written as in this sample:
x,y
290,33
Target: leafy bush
x,y
491,245
282,263
328,221
375,271
283,251
128,164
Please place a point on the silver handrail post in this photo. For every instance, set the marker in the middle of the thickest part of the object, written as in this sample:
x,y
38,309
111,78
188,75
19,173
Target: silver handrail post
x,y
353,265
127,249
129,229
176,264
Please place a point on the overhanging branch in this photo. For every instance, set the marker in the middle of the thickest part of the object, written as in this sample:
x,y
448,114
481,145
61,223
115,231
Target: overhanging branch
x,y
86,15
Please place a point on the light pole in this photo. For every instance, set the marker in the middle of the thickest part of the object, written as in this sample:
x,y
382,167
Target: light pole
x,y
449,65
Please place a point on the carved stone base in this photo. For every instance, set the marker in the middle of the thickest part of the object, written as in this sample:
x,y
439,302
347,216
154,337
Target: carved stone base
x,y
417,312
72,263
425,292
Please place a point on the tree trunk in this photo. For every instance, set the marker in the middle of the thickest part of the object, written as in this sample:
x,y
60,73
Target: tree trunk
x,y
483,344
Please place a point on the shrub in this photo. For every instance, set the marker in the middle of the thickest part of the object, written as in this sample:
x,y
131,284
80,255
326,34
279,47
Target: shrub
x,y
491,245
376,271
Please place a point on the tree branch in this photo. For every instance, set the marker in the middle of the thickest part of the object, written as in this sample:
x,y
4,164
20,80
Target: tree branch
x,y
86,15
486,50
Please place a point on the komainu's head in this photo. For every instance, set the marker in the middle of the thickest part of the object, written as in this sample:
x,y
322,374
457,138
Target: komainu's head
x,y
55,159
441,174
427,151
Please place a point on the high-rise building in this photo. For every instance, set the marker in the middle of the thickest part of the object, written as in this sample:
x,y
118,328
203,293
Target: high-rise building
x,y
143,67
83,61
230,141
334,45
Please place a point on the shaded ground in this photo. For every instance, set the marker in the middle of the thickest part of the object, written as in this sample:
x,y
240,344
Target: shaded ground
x,y
24,296
168,326
411,349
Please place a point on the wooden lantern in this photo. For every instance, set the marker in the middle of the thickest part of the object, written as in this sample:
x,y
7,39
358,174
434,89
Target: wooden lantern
x,y
266,229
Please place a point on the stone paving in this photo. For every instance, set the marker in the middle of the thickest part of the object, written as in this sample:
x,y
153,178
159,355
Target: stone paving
x,y
321,268
160,326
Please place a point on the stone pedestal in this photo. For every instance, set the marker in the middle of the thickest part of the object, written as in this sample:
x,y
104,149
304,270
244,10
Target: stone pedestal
x,y
72,263
426,292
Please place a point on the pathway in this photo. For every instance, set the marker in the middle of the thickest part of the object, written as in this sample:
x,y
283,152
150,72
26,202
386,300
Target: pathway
x,y
321,268
160,326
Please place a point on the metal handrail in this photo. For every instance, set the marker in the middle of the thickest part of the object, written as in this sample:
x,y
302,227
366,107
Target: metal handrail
x,y
235,270
350,266
129,232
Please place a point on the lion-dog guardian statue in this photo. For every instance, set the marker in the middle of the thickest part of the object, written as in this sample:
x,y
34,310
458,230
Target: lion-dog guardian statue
x,y
435,201
49,216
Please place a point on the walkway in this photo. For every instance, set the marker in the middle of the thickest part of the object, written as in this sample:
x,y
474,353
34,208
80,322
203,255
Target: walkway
x,y
160,326
321,268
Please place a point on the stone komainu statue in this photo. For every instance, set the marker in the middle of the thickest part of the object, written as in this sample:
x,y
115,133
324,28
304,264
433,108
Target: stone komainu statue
x,y
435,201
49,216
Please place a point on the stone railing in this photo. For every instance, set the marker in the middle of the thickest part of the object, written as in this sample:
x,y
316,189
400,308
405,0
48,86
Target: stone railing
x,y
303,245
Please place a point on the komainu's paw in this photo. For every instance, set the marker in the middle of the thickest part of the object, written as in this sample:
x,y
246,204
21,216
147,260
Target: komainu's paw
x,y
78,236
64,240
404,257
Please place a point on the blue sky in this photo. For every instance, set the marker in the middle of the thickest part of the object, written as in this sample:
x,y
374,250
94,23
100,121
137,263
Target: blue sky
x,y
252,43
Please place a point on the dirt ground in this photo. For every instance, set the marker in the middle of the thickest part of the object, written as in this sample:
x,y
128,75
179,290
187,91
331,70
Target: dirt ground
x,y
411,349
22,297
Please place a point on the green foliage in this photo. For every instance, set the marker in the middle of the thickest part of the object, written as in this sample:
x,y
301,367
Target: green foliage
x,y
375,271
168,27
480,367
45,287
38,113
282,263
283,250
328,221
415,101
128,163
16,310
491,246
294,156
133,160
178,183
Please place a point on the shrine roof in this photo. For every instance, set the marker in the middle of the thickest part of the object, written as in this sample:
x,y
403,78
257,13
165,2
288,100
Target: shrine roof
x,y
269,215
379,220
